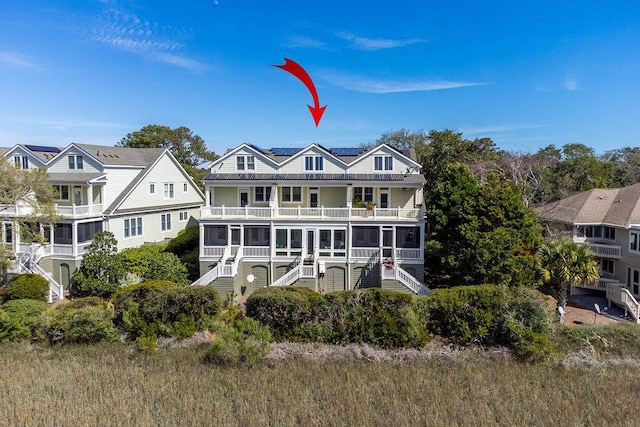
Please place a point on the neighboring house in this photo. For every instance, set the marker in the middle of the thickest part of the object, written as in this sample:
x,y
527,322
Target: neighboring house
x,y
608,220
328,219
139,194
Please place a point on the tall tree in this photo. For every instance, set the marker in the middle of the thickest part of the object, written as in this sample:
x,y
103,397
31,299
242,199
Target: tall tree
x,y
563,262
478,232
189,150
625,165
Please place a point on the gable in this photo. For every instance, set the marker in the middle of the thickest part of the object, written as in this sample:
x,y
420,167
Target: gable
x,y
229,162
399,163
61,163
307,157
20,152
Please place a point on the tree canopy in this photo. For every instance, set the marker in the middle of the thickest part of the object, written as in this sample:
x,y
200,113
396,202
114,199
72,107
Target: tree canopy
x,y
189,150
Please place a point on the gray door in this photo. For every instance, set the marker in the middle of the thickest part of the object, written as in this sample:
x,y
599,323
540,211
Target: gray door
x,y
261,274
64,275
335,279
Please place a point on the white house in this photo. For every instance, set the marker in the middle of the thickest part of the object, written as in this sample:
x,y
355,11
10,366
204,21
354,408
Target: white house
x,y
139,194
330,219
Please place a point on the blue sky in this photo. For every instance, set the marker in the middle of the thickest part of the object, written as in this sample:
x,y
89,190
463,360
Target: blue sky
x,y
526,74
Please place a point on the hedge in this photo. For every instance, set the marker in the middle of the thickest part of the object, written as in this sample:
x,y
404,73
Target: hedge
x,y
28,286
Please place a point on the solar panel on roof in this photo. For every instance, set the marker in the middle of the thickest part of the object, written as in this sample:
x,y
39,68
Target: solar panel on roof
x,y
285,151
43,149
352,151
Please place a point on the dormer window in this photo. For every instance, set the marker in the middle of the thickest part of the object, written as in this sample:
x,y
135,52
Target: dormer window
x,y
21,162
383,163
245,163
75,162
313,163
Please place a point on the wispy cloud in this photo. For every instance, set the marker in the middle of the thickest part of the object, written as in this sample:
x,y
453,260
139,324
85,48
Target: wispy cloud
x,y
64,123
303,42
570,83
498,129
368,85
15,59
365,43
129,33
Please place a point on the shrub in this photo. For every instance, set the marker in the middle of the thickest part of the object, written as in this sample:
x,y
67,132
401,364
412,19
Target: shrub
x,y
375,316
149,262
489,315
28,286
173,309
22,315
284,309
245,342
80,321
186,246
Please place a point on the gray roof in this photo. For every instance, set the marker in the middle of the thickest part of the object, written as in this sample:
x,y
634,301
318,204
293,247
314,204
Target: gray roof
x,y
63,177
270,152
616,206
123,156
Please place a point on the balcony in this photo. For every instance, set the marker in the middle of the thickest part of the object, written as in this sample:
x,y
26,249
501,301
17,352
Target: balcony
x,y
323,213
77,211
605,251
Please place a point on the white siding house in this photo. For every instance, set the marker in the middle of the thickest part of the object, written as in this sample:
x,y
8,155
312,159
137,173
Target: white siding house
x,y
329,219
103,188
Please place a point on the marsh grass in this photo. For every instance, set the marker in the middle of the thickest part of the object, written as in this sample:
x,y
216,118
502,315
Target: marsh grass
x,y
112,385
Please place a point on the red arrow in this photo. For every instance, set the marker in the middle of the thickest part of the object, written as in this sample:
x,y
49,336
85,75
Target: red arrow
x,y
294,68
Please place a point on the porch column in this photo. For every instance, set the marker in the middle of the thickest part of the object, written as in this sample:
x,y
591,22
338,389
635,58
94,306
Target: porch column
x,y
420,196
74,238
89,195
349,195
201,239
207,192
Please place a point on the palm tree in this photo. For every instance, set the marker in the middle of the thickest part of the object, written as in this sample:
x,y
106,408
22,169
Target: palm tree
x,y
563,262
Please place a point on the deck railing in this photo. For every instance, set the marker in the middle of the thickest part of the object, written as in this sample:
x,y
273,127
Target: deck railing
x,y
79,210
224,212
621,296
607,251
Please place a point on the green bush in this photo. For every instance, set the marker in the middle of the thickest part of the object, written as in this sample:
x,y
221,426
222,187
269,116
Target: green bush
x,y
173,309
186,246
285,309
150,262
245,342
28,286
81,321
375,316
489,315
22,317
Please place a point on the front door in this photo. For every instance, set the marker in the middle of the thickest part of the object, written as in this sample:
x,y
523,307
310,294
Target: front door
x,y
244,198
384,200
310,241
77,196
313,198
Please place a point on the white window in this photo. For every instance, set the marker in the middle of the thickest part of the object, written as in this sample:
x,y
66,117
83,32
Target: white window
x,y
364,194
382,163
313,163
262,194
75,162
607,266
165,220
184,215
609,233
245,163
168,190
21,162
152,188
634,241
633,280
291,194
132,227
185,187
62,192
251,163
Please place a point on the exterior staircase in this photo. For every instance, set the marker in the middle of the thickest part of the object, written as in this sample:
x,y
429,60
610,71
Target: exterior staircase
x,y
395,272
306,269
27,262
618,294
226,267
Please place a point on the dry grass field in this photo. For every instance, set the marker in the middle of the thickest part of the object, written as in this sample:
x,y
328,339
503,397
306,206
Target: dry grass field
x,y
112,385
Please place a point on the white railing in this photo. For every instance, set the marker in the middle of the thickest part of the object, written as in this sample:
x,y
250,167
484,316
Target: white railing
x,y
26,263
289,277
601,284
411,282
403,253
256,251
212,251
208,277
79,210
365,253
608,251
621,296
308,270
388,272
310,213
15,210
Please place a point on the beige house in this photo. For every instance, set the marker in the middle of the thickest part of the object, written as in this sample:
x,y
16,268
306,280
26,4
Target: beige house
x,y
328,219
141,195
608,220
